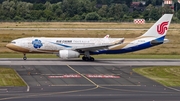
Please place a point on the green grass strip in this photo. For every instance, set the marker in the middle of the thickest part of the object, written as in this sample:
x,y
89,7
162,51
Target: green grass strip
x,y
8,77
167,76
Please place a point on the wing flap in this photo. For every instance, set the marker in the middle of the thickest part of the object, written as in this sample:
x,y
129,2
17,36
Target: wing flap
x,y
100,47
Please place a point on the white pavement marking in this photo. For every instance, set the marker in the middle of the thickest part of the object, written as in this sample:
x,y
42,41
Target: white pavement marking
x,y
3,89
28,87
83,76
5,62
174,89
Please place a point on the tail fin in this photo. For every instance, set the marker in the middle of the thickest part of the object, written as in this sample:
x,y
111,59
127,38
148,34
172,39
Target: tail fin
x,y
159,29
107,36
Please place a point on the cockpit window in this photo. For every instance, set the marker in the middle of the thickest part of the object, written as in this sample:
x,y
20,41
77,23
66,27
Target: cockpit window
x,y
13,42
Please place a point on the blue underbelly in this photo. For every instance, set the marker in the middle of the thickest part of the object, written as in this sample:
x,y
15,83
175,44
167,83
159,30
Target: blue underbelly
x,y
126,50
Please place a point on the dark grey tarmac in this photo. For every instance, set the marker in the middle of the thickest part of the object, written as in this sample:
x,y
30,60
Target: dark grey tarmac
x,y
59,82
110,62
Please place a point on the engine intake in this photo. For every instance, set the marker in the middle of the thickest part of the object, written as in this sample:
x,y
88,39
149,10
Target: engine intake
x,y
65,54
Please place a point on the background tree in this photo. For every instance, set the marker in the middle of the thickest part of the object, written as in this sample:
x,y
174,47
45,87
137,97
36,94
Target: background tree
x,y
23,10
8,9
166,9
70,7
92,17
103,11
178,14
81,10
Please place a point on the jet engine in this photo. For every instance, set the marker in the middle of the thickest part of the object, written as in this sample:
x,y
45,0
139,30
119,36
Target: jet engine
x,y
65,54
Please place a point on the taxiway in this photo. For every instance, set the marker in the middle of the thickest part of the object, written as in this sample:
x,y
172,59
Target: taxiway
x,y
122,62
101,80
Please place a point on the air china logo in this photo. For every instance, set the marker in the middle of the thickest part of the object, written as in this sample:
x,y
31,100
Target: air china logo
x,y
161,28
37,43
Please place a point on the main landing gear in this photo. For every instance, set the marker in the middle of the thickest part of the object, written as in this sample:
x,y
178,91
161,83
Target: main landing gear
x,y
87,57
24,58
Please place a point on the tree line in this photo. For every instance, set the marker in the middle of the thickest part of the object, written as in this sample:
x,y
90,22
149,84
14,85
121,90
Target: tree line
x,y
81,10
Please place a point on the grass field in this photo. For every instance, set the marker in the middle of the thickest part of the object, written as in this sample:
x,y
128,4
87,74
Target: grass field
x,y
167,76
8,77
171,48
78,25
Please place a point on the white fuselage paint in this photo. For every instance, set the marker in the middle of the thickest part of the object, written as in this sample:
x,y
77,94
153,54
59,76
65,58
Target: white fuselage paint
x,y
61,43
53,45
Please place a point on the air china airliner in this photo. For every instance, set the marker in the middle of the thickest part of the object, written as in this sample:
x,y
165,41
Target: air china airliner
x,y
66,48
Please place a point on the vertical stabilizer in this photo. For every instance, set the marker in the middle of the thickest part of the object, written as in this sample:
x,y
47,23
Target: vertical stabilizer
x,y
107,36
159,29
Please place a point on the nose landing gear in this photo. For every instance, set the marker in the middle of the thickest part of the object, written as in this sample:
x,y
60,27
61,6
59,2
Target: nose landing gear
x,y
24,58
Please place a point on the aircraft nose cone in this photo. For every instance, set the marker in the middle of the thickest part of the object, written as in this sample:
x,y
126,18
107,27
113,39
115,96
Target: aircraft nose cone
x,y
17,48
11,46
8,45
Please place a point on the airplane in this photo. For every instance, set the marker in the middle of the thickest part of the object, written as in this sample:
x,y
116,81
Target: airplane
x,y
66,48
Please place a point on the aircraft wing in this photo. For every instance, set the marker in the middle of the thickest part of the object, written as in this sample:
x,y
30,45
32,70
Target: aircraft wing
x,y
99,47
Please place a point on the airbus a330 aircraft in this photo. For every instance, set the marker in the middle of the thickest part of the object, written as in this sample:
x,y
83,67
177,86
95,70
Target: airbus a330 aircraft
x,y
74,47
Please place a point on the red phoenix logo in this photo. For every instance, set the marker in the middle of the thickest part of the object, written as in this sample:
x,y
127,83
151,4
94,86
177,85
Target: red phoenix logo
x,y
161,28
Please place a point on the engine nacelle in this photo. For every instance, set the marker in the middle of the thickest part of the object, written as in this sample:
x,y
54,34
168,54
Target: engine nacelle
x,y
65,54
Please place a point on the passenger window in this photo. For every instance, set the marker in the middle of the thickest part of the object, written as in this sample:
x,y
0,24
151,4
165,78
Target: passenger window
x,y
13,42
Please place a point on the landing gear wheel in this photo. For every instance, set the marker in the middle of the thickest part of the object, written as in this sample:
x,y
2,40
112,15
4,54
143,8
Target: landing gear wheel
x,y
91,59
83,58
24,58
87,59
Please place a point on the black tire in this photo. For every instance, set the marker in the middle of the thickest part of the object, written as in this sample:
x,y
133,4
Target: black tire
x,y
24,58
86,59
91,59
83,58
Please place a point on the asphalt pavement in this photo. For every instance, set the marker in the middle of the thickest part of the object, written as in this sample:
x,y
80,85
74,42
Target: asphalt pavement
x,y
86,82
